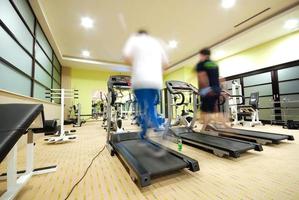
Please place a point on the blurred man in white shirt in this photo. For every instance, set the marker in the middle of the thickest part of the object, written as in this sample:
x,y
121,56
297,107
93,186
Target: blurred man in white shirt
x,y
147,57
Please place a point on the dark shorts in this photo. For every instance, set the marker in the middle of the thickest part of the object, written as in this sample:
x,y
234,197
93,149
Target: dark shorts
x,y
209,104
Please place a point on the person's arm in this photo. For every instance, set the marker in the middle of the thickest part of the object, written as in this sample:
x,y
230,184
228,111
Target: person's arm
x,y
127,51
128,60
164,58
203,80
203,83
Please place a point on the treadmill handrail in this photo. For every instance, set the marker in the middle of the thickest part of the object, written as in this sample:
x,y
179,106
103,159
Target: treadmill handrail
x,y
175,90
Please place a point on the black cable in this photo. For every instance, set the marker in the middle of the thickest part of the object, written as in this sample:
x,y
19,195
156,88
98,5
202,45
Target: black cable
x,y
74,186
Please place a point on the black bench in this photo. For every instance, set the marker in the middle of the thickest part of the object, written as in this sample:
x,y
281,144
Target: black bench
x,y
17,120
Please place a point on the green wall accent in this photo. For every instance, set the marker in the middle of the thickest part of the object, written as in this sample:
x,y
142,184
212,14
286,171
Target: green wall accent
x,y
185,74
280,50
88,81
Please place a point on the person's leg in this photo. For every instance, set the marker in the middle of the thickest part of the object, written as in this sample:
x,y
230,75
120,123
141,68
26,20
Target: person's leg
x,y
140,97
152,95
207,110
206,118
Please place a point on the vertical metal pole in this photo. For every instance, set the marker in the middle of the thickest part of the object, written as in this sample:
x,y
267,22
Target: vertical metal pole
x,y
79,115
29,152
109,116
62,112
169,106
195,97
12,168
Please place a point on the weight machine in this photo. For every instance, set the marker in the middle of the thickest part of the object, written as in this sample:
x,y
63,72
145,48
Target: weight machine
x,y
62,136
239,111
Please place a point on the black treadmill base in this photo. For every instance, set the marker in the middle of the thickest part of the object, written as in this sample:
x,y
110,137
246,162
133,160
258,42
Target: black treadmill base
x,y
273,138
220,146
139,159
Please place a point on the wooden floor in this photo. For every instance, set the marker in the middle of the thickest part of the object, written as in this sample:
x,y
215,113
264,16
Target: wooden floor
x,y
271,174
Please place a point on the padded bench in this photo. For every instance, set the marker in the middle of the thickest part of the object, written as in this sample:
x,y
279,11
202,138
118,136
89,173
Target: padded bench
x,y
17,120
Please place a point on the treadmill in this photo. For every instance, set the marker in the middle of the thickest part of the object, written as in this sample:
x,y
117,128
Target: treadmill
x,y
138,156
250,135
220,146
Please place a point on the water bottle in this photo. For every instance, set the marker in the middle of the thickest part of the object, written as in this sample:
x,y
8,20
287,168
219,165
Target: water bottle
x,y
180,145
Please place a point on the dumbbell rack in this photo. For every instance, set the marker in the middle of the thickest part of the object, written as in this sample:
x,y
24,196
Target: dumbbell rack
x,y
62,94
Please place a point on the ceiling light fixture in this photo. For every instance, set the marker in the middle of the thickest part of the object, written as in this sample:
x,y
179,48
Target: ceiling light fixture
x,y
218,54
228,3
291,24
85,53
86,22
172,44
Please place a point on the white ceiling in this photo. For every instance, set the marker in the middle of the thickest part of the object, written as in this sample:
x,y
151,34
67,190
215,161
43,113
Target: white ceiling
x,y
193,23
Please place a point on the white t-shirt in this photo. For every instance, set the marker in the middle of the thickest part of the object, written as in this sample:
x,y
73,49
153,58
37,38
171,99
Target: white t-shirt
x,y
148,57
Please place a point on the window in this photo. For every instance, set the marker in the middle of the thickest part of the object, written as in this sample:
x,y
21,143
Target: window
x,y
278,90
13,81
257,79
288,73
17,60
11,52
26,13
42,76
264,90
42,58
42,40
39,92
56,64
56,75
11,19
288,81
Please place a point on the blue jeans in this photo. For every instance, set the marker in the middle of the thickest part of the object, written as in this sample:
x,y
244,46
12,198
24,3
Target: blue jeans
x,y
146,99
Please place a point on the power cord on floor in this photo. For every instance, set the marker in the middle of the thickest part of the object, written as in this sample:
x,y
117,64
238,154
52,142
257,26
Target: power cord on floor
x,y
74,186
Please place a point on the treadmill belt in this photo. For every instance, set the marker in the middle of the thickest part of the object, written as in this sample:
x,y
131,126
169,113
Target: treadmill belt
x,y
256,134
218,142
144,152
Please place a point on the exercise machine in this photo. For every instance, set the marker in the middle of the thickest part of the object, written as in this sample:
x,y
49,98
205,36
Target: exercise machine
x,y
62,94
138,156
259,137
18,120
78,121
220,146
116,114
239,111
242,134
185,118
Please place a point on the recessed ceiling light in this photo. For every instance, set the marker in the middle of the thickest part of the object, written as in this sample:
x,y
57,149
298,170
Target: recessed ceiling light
x,y
85,53
219,54
228,3
291,24
86,22
172,44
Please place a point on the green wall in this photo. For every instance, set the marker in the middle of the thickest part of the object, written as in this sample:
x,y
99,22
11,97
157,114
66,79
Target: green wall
x,y
185,74
88,81
280,50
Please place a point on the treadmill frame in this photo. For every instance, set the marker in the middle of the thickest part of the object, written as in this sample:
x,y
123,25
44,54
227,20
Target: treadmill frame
x,y
216,151
136,171
233,133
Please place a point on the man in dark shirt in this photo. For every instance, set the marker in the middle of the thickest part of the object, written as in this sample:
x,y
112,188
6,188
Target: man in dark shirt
x,y
208,83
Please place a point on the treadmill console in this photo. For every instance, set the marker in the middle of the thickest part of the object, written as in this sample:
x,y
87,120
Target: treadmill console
x,y
179,86
119,81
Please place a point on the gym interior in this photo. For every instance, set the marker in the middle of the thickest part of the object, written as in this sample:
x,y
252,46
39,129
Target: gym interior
x,y
71,118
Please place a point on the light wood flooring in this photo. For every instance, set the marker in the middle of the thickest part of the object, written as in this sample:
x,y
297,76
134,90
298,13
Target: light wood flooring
x,y
271,174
